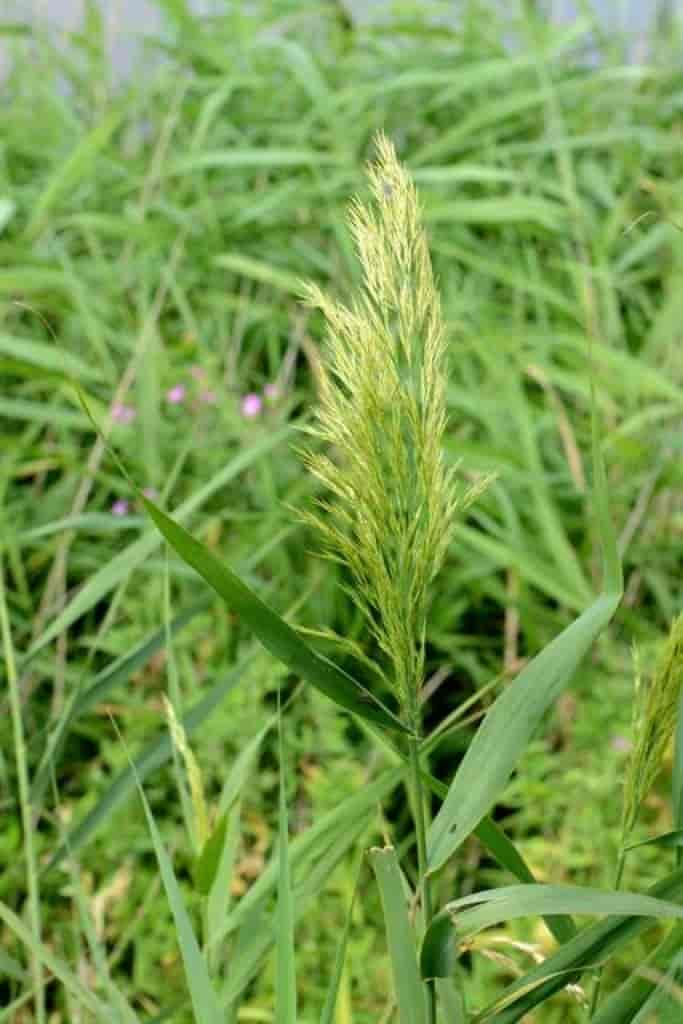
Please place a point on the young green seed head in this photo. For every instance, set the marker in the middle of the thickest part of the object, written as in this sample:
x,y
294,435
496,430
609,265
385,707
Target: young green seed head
x,y
391,503
194,774
654,721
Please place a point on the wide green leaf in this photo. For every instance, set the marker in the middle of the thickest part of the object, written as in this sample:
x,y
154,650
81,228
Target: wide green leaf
x,y
507,855
589,947
409,988
274,633
489,834
471,914
511,722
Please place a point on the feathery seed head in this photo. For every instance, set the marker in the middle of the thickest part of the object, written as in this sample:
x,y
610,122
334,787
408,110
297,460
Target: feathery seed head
x,y
194,775
654,720
389,513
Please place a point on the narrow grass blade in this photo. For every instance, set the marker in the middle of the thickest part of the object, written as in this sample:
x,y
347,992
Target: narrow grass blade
x,y
328,1015
41,952
264,273
33,280
665,1002
409,988
11,968
156,753
452,1001
667,841
256,936
209,859
472,914
250,158
509,725
589,947
285,978
9,1012
677,773
274,633
50,358
505,210
102,686
329,829
42,412
205,1003
218,901
622,1006
75,167
25,807
103,581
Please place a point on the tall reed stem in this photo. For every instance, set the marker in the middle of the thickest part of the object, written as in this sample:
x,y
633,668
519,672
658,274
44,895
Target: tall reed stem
x,y
423,880
618,875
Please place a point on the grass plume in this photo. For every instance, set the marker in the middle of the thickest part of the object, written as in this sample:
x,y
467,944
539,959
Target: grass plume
x,y
654,721
382,415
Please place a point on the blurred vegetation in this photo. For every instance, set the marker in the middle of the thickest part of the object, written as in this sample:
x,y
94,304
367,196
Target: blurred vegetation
x,y
153,235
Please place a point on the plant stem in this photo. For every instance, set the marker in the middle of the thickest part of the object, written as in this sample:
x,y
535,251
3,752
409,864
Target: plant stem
x,y
424,885
25,802
619,871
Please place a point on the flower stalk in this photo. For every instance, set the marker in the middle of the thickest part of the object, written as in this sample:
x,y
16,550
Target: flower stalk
x,y
390,502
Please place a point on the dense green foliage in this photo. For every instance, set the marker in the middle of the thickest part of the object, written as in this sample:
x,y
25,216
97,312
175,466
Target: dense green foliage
x,y
153,237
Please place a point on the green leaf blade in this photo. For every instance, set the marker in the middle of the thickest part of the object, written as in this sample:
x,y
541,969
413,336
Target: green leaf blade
x,y
507,729
272,631
285,979
410,991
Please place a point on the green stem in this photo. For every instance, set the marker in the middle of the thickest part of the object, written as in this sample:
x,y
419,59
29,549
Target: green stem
x,y
618,874
25,802
424,884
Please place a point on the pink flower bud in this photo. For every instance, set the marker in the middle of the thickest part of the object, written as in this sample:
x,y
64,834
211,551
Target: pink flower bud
x,y
176,394
251,405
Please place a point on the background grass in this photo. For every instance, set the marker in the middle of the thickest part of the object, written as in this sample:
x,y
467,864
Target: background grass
x,y
153,235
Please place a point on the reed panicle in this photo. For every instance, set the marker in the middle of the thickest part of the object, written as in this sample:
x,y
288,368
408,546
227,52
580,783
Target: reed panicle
x,y
654,721
194,774
391,504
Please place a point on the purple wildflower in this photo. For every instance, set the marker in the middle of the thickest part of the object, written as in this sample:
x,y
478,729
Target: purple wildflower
x,y
207,396
121,413
272,392
120,507
176,394
251,405
151,493
621,744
